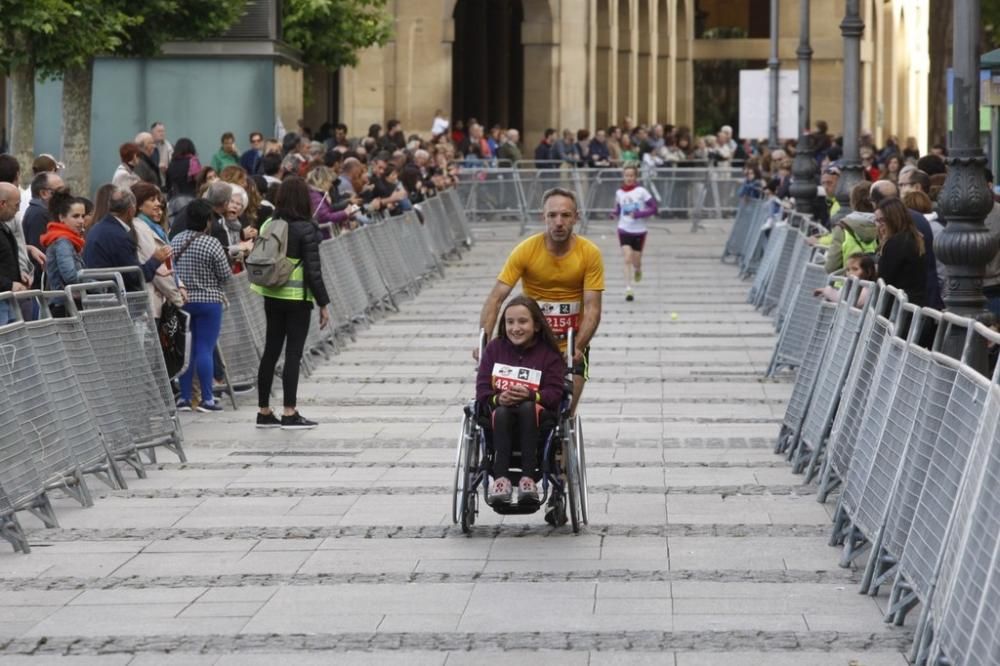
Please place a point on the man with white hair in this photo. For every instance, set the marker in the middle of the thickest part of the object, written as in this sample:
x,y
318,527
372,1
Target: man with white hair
x,y
163,150
726,144
509,149
147,169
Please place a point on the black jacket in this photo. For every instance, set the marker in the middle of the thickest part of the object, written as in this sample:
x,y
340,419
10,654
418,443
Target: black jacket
x,y
303,243
10,269
148,170
34,223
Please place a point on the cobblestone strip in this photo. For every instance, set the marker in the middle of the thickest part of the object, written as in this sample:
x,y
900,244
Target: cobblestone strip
x,y
419,532
458,379
793,577
417,401
614,418
359,444
350,464
429,489
569,641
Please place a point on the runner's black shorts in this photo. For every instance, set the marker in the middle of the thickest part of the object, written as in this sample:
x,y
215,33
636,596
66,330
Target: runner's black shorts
x,y
634,241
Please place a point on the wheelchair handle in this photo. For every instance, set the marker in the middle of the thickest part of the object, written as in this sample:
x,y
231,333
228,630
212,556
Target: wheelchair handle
x,y
570,347
482,343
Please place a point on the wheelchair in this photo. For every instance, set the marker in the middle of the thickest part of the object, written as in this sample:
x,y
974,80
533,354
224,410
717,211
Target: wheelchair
x,y
563,486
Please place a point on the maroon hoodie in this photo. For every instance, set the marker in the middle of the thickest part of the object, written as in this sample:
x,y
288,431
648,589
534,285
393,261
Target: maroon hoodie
x,y
503,362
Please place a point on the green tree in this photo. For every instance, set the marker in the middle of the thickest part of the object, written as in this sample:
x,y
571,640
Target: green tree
x,y
27,26
331,32
127,29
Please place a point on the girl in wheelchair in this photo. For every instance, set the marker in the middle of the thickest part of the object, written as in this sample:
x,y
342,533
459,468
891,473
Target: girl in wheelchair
x,y
521,378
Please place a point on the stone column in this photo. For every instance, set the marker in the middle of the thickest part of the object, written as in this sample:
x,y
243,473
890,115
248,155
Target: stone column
x,y
672,61
633,59
613,63
852,27
804,167
965,246
592,64
772,66
654,53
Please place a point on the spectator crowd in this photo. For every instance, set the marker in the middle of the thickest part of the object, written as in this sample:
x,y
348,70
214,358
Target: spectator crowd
x,y
165,200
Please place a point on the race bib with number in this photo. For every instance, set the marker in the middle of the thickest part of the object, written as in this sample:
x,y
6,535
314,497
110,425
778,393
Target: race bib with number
x,y
561,317
507,376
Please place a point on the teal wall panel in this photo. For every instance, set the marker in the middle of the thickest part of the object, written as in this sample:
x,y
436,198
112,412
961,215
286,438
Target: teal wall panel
x,y
194,97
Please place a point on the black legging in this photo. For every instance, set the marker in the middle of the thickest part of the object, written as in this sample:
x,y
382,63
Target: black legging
x,y
515,424
287,325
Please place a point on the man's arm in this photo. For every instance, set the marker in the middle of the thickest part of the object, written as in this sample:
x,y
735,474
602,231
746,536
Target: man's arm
x,y
491,308
589,322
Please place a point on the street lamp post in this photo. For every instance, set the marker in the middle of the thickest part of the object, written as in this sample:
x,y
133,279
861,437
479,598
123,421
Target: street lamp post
x,y
772,66
804,167
852,27
965,246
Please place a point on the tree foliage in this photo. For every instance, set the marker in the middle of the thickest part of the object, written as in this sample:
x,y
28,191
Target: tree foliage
x,y
54,35
331,32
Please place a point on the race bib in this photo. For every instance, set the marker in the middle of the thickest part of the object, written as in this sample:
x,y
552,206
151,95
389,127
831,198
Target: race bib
x,y
561,317
508,376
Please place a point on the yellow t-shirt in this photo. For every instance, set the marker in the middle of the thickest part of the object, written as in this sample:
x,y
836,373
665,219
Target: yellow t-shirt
x,y
557,283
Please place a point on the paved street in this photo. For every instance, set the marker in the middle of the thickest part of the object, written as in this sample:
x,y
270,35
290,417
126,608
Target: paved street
x,y
336,545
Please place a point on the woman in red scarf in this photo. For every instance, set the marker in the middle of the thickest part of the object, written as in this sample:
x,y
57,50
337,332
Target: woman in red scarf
x,y
63,243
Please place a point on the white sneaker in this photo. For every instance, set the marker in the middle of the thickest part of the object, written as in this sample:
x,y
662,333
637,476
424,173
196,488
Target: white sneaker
x,y
629,296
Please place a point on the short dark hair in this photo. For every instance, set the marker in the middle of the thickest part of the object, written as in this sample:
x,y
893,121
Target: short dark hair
x,y
341,126
199,215
10,169
391,125
38,183
155,123
253,134
560,192
920,178
550,131
293,203
227,135
270,164
931,164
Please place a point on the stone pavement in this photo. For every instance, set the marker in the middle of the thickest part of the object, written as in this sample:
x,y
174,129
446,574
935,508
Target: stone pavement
x,y
336,545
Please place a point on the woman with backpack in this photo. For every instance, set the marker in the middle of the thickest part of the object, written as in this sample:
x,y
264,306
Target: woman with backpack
x,y
288,305
856,233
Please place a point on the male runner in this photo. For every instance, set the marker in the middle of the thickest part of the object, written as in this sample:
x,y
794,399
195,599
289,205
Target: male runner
x,y
564,273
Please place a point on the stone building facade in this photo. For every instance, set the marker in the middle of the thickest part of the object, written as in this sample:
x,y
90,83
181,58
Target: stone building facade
x,y
589,63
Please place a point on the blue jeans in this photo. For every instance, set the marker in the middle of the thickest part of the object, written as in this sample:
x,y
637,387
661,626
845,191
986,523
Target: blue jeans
x,y
206,322
5,316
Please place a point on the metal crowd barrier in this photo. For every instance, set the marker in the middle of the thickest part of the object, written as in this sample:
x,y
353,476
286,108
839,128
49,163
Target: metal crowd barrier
x,y
906,430
86,392
690,192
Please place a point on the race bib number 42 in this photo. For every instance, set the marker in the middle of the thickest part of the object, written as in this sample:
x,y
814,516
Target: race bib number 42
x,y
507,376
561,317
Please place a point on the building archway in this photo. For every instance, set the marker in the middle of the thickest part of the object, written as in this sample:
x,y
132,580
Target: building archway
x,y
488,62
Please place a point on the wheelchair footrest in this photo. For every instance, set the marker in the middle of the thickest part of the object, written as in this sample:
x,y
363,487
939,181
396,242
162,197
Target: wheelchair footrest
x,y
516,508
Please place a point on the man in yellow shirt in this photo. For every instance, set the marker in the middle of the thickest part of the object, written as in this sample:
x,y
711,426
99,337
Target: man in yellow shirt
x,y
564,273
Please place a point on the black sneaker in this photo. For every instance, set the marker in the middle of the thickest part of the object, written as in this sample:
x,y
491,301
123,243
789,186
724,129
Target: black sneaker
x,y
296,422
268,420
208,407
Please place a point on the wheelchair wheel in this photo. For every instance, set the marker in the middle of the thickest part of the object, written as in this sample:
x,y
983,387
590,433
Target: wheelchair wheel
x,y
572,481
581,457
465,443
469,512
